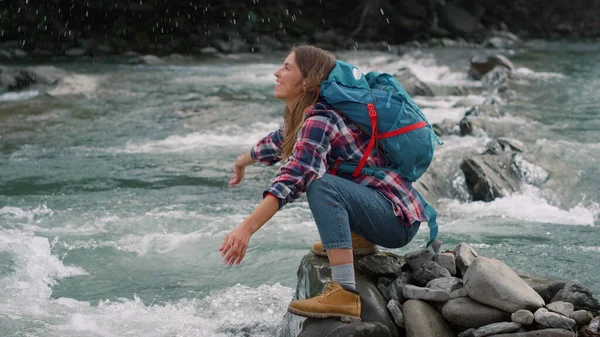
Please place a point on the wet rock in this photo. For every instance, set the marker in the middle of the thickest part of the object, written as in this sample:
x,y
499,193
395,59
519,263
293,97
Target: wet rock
x,y
395,288
458,20
45,74
421,320
5,54
491,329
446,260
553,320
425,294
491,282
563,308
75,52
582,317
335,328
148,60
395,309
541,333
446,127
428,271
482,64
489,177
447,284
380,265
462,292
468,313
496,78
579,295
235,46
209,51
412,84
501,145
465,255
484,110
384,291
523,317
416,258
549,290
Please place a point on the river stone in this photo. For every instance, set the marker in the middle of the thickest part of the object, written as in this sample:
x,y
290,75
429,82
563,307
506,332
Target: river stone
x,y
412,84
467,313
448,284
560,307
553,320
45,74
481,64
582,317
549,290
395,288
491,176
523,317
335,328
395,309
426,294
428,271
462,292
465,255
492,329
149,60
416,258
422,320
491,282
578,294
380,265
541,333
446,260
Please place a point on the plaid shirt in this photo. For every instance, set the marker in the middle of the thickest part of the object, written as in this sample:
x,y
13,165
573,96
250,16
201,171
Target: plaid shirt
x,y
325,137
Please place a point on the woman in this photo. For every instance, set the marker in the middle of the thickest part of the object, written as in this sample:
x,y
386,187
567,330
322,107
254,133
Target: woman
x,y
349,212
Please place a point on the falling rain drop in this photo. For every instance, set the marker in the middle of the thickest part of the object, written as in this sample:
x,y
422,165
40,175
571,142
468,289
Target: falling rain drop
x,y
381,10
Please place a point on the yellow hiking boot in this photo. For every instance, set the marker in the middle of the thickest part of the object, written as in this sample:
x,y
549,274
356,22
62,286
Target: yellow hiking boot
x,y
334,301
360,246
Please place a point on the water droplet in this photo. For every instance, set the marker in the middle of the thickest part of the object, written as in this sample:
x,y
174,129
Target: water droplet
x,y
381,10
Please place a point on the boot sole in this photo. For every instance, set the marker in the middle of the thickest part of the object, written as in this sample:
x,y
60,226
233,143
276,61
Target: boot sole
x,y
342,317
355,252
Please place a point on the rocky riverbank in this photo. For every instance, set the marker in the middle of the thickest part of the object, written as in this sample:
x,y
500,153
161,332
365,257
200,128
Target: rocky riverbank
x,y
449,293
38,29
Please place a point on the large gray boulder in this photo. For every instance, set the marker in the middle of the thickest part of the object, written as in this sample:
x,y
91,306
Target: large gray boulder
x,y
465,255
579,295
467,313
413,85
489,177
491,282
422,320
482,64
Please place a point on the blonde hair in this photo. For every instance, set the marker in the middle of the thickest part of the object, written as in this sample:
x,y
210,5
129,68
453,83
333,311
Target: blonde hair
x,y
315,65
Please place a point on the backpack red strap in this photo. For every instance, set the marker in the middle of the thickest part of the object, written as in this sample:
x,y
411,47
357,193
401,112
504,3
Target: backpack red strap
x,y
335,167
374,136
400,131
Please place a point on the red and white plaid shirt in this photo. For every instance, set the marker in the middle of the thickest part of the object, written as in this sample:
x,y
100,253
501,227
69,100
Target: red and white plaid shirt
x,y
326,137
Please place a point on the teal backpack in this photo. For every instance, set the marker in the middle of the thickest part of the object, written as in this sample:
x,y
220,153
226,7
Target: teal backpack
x,y
378,103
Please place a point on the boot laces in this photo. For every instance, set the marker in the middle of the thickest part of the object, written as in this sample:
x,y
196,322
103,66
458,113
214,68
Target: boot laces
x,y
329,287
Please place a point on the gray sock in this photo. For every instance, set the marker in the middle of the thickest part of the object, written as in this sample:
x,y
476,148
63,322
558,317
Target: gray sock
x,y
344,275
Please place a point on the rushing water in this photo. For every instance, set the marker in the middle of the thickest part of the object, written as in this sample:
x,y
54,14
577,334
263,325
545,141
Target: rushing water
x,y
114,198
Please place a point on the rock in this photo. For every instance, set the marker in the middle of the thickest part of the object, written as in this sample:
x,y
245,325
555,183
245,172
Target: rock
x,y
541,333
491,282
45,74
395,288
428,271
7,81
582,317
422,320
149,60
501,145
329,37
335,328
465,255
497,42
549,290
458,20
447,284
267,43
553,320
314,272
482,64
416,258
496,78
209,51
563,308
395,309
20,53
462,292
425,294
523,317
467,313
5,54
446,260
489,177
446,127
380,265
384,291
74,52
579,295
235,46
484,110
496,328
413,85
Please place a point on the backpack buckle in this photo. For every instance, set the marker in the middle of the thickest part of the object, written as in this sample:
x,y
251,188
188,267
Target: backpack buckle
x,y
372,111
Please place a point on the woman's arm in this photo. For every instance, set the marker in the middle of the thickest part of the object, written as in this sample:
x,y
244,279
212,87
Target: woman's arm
x,y
235,244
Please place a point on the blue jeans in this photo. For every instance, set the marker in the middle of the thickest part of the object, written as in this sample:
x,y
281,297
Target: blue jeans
x,y
341,206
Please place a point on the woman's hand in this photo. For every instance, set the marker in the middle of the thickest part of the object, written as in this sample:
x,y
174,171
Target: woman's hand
x,y
239,168
235,244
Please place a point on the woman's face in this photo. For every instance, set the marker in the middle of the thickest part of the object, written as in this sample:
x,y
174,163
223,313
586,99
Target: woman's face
x,y
289,80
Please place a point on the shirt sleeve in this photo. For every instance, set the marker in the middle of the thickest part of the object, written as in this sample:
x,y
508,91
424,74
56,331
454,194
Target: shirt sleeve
x,y
307,162
268,149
